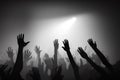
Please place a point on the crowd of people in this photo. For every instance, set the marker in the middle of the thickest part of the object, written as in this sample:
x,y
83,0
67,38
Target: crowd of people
x,y
54,68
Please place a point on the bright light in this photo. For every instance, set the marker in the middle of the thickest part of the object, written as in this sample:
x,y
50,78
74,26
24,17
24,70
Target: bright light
x,y
76,29
64,27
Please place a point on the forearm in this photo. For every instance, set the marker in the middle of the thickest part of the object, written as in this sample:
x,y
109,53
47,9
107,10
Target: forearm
x,y
102,58
71,58
74,65
96,67
39,61
19,61
55,56
12,61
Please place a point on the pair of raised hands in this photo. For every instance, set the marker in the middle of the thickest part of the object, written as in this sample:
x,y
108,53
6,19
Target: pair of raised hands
x,y
21,43
80,49
82,52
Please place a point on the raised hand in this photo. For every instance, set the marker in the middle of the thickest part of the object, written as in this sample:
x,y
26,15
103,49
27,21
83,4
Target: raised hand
x,y
20,40
37,50
18,66
10,52
74,65
91,43
100,54
56,44
27,55
82,52
66,45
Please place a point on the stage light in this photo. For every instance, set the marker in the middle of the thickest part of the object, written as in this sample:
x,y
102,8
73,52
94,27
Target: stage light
x,y
77,29
64,27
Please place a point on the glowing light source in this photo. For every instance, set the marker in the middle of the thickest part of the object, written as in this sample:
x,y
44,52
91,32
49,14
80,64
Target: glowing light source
x,y
76,29
65,26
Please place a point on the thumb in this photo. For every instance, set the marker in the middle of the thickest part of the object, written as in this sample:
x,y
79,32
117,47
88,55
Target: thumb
x,y
63,47
27,43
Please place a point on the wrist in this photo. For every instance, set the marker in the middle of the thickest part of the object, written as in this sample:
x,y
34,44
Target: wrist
x,y
87,57
21,47
68,51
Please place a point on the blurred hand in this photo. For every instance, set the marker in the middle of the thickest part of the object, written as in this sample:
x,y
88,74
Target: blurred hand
x,y
10,52
37,50
82,52
91,43
20,40
27,55
56,44
66,45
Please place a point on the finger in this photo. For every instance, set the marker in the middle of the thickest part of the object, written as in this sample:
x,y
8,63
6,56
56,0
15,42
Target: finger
x,y
17,37
23,36
27,42
63,42
63,47
20,35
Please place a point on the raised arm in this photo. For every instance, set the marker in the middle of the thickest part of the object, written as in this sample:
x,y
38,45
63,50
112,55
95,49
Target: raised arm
x,y
95,66
38,52
56,46
100,54
19,60
74,65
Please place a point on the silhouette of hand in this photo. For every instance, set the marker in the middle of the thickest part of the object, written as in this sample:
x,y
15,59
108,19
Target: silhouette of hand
x,y
27,55
66,45
91,43
82,52
56,44
20,40
10,52
37,50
